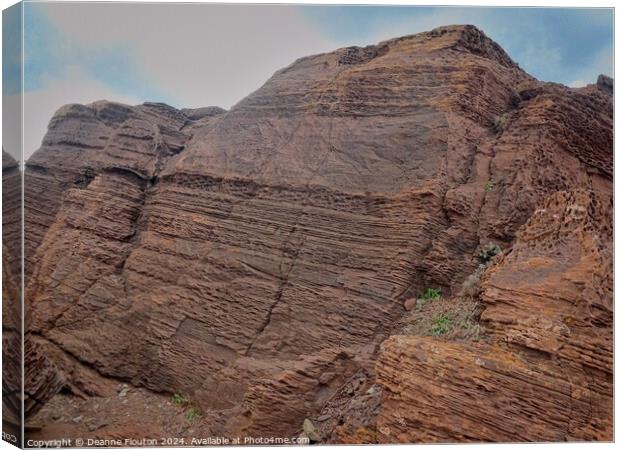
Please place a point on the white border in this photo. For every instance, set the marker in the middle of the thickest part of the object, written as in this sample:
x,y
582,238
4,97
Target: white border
x,y
488,3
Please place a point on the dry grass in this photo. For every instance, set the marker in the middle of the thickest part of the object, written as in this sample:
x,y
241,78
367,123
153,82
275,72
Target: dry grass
x,y
471,285
499,124
454,318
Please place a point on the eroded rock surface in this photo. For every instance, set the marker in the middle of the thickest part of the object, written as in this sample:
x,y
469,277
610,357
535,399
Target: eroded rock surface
x,y
546,372
241,257
11,298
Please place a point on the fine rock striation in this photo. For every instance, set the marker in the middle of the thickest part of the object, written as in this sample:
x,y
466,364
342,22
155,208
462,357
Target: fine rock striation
x,y
43,379
11,310
546,372
261,256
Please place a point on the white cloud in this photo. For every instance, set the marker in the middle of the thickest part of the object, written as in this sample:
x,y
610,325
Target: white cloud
x,y
199,54
577,83
11,130
207,54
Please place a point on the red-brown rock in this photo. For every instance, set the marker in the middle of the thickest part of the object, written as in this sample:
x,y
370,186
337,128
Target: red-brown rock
x,y
238,256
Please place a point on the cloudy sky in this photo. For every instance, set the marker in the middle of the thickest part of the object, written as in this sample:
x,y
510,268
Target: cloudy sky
x,y
191,55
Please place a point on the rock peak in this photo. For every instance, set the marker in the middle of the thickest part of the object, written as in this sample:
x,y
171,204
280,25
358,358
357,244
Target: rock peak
x,y
472,39
200,113
605,83
466,38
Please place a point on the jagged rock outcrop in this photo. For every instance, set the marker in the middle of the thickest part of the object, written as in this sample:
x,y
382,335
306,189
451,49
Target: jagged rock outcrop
x,y
83,141
240,256
546,373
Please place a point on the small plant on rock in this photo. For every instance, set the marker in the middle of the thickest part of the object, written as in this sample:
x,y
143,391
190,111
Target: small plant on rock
x,y
192,414
489,185
431,294
456,318
441,324
500,122
179,400
428,295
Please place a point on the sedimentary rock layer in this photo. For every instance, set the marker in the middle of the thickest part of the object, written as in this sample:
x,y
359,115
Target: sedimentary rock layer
x,y
240,256
11,298
546,372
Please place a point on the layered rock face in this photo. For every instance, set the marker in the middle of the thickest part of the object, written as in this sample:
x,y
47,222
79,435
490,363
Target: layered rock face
x,y
11,298
546,373
43,379
257,259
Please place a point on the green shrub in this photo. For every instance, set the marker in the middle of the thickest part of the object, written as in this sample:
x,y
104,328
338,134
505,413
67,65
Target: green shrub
x,y
500,122
455,319
430,294
192,414
489,185
179,400
440,324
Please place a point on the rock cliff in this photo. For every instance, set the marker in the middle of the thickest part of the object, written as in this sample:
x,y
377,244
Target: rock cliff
x,y
258,260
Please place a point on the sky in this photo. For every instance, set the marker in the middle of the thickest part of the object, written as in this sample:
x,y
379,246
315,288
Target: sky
x,y
191,55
